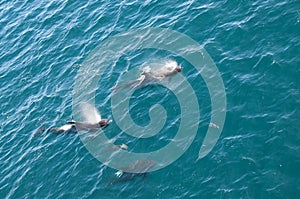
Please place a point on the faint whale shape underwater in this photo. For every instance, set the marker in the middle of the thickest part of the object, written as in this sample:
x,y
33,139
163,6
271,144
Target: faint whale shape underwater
x,y
137,169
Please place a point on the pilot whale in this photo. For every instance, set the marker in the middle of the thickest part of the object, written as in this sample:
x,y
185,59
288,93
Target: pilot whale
x,y
148,75
139,168
74,127
93,122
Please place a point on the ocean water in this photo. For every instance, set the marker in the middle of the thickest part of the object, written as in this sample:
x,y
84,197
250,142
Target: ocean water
x,y
255,46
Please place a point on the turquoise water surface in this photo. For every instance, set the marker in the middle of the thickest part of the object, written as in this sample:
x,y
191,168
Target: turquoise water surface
x,y
255,46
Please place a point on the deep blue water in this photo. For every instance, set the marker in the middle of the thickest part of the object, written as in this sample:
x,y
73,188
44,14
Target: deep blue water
x,y
255,46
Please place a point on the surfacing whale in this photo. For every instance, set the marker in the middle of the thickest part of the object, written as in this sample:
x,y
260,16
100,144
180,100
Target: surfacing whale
x,y
93,122
149,75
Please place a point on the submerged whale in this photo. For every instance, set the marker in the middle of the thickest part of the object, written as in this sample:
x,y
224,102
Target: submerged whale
x,y
140,168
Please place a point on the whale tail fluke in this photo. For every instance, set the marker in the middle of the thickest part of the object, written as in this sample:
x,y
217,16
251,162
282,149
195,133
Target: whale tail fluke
x,y
39,131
